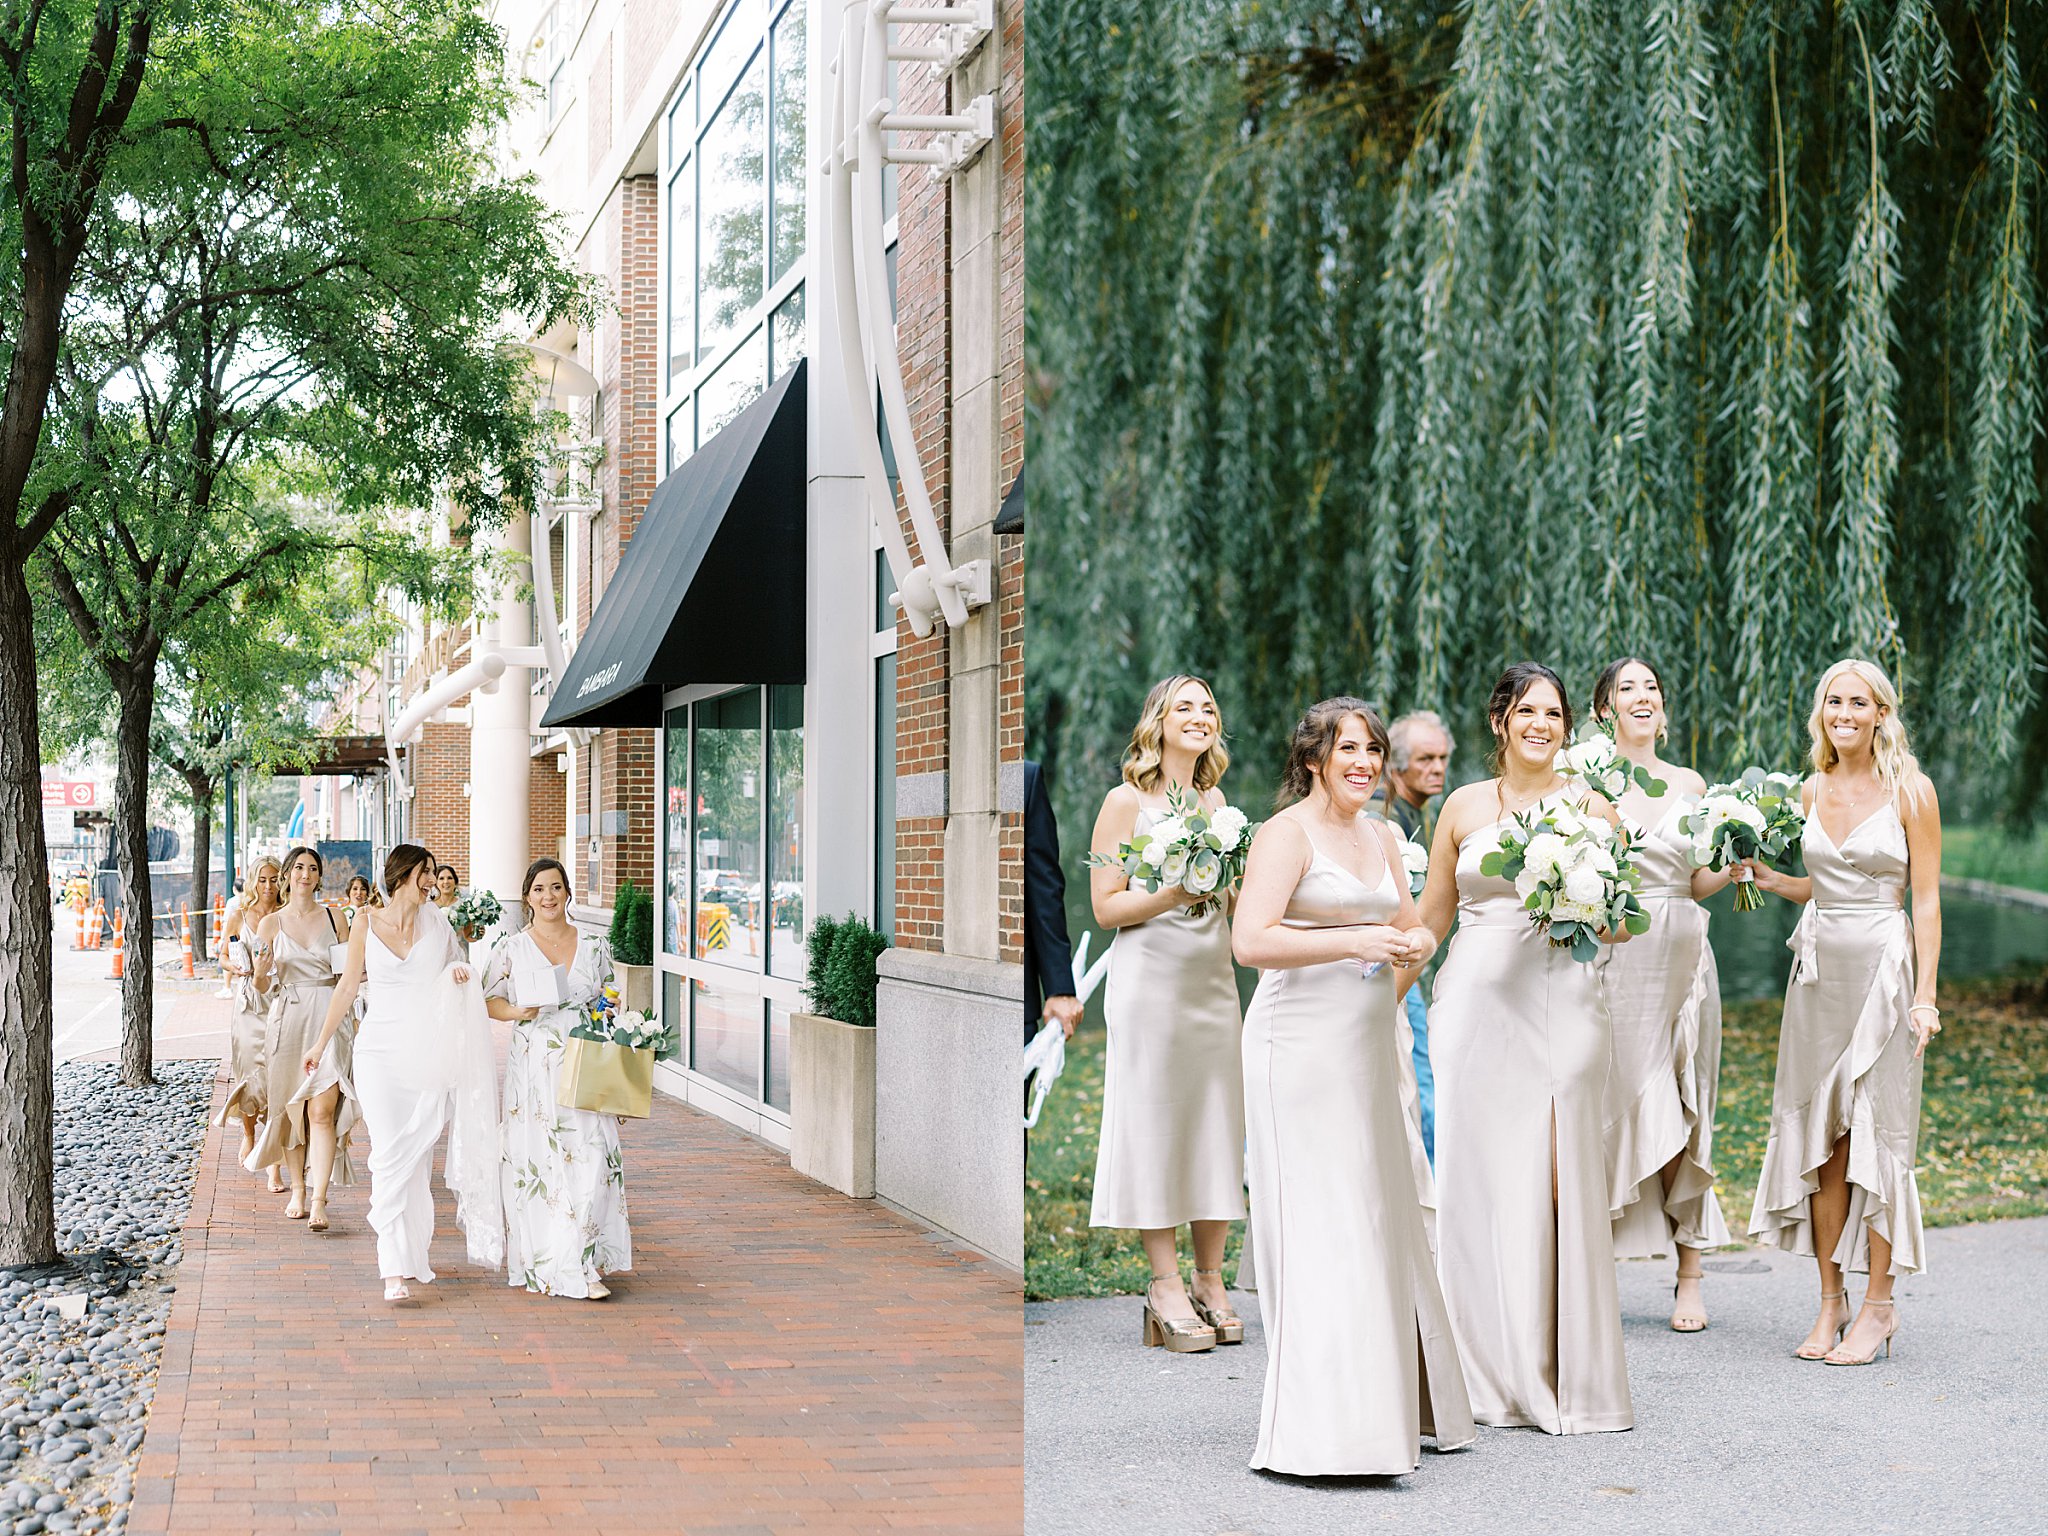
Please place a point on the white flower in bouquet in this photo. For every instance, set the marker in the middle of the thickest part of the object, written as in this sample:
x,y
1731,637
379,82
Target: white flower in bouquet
x,y
1415,860
1585,884
1751,818
1595,761
1229,824
1169,833
1545,851
1580,883
1200,851
1204,873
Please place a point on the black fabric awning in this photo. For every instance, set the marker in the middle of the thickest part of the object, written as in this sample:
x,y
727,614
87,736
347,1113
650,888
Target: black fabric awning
x,y
711,587
1010,516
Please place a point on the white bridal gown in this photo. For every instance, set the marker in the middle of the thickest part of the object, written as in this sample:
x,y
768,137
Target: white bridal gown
x,y
564,1183
423,1064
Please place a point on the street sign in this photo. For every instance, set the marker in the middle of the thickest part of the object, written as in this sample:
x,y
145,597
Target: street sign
x,y
69,795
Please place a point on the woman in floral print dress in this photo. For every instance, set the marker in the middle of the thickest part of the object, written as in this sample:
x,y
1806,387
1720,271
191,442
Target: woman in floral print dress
x,y
564,1184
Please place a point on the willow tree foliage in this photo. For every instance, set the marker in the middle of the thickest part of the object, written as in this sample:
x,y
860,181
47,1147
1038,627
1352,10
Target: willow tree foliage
x,y
1371,351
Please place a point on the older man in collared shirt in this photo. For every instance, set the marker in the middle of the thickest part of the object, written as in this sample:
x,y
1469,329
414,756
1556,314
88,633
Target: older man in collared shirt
x,y
1419,761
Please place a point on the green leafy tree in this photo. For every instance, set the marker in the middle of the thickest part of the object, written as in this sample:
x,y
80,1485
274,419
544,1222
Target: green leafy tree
x,y
246,687
1374,348
312,261
70,77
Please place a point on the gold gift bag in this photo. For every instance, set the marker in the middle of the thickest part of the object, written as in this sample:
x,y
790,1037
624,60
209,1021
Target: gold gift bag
x,y
610,1079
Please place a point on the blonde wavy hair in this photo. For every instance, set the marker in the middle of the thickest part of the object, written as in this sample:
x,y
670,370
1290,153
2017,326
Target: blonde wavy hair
x,y
249,890
1145,757
1897,768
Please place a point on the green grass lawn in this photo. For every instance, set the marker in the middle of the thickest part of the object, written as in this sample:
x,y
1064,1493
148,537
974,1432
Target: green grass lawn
x,y
1997,854
1983,1133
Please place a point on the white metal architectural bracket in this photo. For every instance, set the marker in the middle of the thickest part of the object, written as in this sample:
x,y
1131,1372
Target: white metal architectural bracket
x,y
863,117
488,664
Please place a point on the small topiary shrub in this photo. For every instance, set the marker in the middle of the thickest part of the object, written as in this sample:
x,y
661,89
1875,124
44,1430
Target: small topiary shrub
x,y
632,933
841,983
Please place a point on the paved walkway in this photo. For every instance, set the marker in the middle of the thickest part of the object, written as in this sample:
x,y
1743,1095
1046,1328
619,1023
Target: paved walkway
x,y
1731,1433
781,1360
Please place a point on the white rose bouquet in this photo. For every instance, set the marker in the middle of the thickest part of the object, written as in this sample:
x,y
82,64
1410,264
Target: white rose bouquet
x,y
479,909
1596,762
1757,816
1200,851
1573,874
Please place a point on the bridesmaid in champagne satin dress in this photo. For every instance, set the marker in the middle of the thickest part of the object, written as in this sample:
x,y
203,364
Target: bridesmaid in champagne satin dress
x,y
1519,1042
1171,1149
1360,1362
1838,1180
1663,998
248,1097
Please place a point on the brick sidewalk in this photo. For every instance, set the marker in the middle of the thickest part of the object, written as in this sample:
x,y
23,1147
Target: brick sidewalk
x,y
782,1359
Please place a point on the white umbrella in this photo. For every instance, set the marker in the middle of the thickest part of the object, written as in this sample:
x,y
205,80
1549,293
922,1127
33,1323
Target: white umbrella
x,y
1046,1056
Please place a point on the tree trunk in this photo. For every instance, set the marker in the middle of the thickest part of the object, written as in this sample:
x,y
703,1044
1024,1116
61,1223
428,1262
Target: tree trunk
x,y
28,1232
202,862
135,688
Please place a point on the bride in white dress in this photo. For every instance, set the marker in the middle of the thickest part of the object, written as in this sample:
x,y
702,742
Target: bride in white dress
x,y
423,1063
564,1183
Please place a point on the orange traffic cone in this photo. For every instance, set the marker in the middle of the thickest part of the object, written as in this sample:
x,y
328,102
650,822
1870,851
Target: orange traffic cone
x,y
78,939
220,921
185,936
96,930
120,922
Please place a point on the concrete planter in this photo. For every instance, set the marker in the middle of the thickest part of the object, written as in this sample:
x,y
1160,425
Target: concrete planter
x,y
832,1103
636,986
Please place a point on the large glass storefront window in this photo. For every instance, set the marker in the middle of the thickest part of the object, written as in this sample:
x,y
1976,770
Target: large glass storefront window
x,y
736,159
725,1034
727,751
675,789
733,875
785,898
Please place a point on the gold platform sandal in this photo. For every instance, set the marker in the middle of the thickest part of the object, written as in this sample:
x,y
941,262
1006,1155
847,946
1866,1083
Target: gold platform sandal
x,y
1177,1335
1229,1327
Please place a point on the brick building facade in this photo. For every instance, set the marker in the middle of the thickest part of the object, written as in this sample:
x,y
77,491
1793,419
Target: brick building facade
x,y
889,781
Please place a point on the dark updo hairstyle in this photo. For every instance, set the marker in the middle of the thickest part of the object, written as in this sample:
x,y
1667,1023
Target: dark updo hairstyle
x,y
319,864
1508,692
534,871
359,879
1603,685
401,863
1315,738
446,869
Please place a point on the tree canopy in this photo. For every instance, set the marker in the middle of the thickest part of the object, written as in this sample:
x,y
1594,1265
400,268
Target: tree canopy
x,y
1373,349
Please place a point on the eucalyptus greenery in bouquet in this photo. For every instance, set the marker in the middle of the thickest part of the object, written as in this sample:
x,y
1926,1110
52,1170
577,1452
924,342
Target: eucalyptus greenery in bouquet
x,y
1757,816
479,909
1594,760
1574,875
1200,851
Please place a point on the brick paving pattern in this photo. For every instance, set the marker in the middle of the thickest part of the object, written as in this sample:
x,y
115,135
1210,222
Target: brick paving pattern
x,y
782,1359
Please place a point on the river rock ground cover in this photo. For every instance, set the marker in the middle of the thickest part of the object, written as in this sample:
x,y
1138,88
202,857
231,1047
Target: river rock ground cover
x,y
75,1393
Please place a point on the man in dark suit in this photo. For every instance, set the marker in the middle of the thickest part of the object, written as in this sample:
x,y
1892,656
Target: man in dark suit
x,y
1048,957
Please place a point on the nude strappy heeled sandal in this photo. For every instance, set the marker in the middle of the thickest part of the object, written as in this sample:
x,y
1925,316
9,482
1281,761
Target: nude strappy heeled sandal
x,y
1801,1353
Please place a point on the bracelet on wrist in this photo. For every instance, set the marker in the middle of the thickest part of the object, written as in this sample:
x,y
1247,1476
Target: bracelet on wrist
x,y
1924,1008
